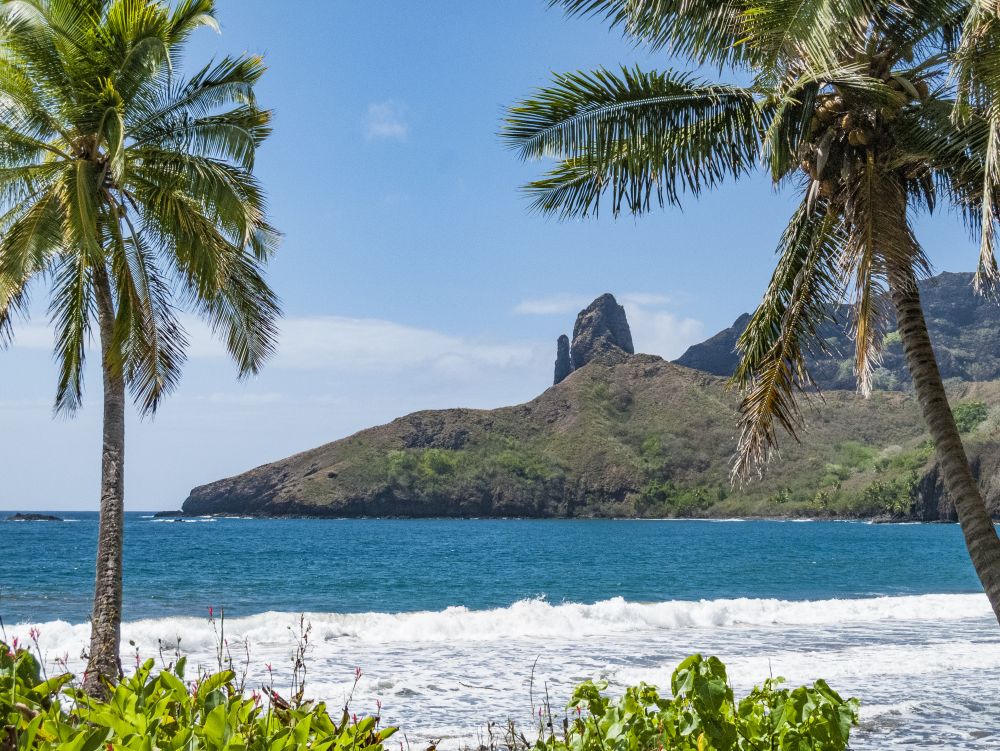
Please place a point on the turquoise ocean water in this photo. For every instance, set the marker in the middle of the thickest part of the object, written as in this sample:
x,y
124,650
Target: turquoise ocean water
x,y
447,618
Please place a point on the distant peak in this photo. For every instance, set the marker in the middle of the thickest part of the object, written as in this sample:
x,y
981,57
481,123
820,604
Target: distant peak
x,y
601,333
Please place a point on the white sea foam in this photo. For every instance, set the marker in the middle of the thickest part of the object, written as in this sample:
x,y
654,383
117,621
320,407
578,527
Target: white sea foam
x,y
914,660
538,618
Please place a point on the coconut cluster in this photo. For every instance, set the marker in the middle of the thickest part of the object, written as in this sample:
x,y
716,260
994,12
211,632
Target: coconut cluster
x,y
843,125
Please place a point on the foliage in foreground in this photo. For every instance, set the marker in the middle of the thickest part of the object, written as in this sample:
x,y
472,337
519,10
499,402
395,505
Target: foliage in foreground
x,y
705,715
147,711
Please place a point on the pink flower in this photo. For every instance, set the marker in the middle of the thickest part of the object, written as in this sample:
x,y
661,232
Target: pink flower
x,y
34,633
211,611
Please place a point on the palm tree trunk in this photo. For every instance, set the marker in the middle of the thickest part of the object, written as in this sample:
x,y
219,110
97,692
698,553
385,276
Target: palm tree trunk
x,y
977,526
105,634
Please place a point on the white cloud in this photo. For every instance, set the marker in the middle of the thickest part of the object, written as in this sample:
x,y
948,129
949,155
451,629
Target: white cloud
x,y
386,121
660,332
339,343
243,399
33,336
645,299
561,304
344,344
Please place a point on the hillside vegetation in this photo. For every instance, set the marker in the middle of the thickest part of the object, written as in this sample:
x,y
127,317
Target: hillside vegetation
x,y
642,437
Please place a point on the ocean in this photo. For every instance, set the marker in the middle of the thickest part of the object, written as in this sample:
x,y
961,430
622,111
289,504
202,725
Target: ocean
x,y
455,623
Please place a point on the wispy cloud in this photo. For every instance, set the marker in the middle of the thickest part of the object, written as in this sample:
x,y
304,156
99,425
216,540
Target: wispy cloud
x,y
33,336
339,343
645,299
560,304
661,332
386,121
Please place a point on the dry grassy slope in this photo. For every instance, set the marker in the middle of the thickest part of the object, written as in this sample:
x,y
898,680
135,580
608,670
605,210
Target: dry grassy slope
x,y
643,437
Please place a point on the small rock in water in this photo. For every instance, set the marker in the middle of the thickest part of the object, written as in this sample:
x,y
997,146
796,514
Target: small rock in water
x,y
33,518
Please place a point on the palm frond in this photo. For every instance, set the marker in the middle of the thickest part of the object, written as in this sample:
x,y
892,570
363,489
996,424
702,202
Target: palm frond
x,y
783,330
71,310
149,336
821,33
879,237
703,31
244,312
634,134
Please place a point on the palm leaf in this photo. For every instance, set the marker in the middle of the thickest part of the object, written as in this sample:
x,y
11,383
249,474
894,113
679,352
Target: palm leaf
x,y
783,330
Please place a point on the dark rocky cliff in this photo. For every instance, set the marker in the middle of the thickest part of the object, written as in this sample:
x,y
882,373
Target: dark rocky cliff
x,y
601,333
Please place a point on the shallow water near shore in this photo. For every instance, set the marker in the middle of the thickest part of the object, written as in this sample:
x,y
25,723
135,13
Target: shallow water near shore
x,y
448,618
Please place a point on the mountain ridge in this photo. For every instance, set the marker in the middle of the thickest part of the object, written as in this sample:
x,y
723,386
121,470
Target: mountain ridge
x,y
632,435
964,328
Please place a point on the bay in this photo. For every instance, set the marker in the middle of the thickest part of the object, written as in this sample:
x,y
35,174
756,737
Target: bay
x,y
455,623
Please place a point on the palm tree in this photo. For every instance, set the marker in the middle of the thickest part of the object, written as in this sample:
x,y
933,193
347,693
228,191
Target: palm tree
x,y
870,110
129,192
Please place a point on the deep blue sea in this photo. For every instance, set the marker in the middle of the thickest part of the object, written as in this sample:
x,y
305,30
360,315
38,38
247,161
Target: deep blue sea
x,y
448,618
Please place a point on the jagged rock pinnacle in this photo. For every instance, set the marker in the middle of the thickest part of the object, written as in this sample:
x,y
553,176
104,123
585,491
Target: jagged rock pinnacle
x,y
564,364
601,332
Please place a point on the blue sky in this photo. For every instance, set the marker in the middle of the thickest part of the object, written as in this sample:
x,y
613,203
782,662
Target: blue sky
x,y
412,274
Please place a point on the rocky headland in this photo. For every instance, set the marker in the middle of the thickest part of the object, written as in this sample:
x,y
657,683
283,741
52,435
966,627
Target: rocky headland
x,y
630,435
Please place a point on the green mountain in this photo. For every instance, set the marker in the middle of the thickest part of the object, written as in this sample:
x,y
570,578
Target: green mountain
x,y
964,327
623,435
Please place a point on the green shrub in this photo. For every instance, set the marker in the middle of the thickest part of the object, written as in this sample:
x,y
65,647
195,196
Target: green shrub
x,y
704,716
162,711
668,497
651,450
438,462
523,465
910,460
969,416
854,455
147,712
401,466
891,496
